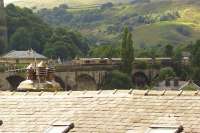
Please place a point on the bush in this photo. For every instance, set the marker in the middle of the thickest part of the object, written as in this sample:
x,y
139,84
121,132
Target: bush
x,y
117,80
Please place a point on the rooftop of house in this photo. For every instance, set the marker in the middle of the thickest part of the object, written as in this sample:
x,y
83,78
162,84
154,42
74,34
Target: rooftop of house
x,y
114,111
171,85
29,54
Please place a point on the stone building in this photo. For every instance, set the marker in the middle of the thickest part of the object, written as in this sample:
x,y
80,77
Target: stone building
x,y
3,27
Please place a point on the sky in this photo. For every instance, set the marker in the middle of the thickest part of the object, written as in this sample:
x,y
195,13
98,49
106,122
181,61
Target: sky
x,y
9,1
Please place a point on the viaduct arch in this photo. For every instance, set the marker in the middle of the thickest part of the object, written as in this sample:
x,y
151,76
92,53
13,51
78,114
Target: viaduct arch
x,y
140,79
14,80
86,82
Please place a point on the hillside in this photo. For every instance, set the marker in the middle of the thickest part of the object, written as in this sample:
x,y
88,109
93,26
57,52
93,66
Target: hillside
x,y
152,22
54,3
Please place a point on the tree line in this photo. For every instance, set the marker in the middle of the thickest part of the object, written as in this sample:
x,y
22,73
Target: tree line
x,y
26,30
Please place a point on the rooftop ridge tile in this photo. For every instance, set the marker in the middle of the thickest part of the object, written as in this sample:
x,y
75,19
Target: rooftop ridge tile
x,y
116,92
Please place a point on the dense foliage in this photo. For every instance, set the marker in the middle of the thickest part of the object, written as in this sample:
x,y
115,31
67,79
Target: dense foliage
x,y
105,51
26,30
66,44
117,80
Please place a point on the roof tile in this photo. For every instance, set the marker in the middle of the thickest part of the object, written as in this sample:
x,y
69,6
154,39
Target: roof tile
x,y
91,111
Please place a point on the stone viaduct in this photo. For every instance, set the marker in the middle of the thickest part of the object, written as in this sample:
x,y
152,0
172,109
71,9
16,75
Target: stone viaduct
x,y
84,77
79,77
92,76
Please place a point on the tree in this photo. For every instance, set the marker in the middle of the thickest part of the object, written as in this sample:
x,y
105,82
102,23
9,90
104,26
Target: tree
x,y
169,50
20,40
130,52
59,50
127,52
27,30
105,51
195,61
65,44
166,73
177,59
117,80
124,42
26,26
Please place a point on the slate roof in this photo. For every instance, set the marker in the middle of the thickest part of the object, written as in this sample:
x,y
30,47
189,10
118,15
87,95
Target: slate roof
x,y
99,111
29,54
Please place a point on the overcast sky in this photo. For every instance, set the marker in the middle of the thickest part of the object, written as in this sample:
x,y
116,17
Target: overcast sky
x,y
9,1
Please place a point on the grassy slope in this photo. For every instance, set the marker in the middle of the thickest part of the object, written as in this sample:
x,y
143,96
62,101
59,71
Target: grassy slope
x,y
166,31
